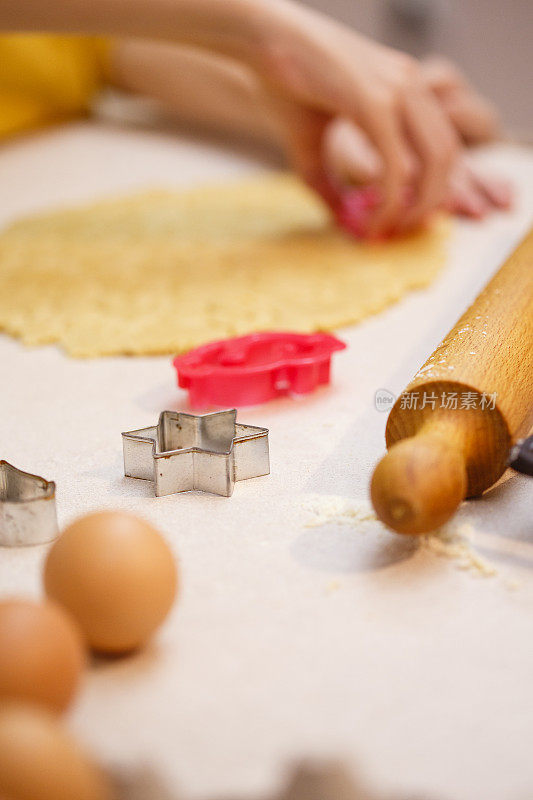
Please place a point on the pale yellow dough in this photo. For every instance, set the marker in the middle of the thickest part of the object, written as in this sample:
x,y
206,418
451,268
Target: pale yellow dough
x,y
162,272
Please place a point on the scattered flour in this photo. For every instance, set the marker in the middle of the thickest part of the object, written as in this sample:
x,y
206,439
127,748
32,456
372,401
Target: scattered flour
x,y
324,509
512,585
453,540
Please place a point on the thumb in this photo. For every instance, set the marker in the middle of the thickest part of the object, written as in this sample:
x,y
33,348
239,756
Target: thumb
x,y
350,155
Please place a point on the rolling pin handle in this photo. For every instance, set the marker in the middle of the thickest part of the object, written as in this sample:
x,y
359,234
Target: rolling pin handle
x,y
419,484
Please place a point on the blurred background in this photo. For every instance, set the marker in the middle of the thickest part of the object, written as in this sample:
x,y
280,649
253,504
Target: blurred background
x,y
491,40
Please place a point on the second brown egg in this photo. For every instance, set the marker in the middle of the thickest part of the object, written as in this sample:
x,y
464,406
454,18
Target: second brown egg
x,y
42,654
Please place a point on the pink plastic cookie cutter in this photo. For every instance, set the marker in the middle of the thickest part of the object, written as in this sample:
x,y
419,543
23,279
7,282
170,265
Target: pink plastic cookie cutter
x,y
249,370
356,206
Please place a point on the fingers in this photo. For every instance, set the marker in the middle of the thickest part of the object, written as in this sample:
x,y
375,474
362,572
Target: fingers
x,y
464,197
440,74
415,139
421,157
474,195
498,192
341,74
329,72
436,145
474,117
321,65
386,133
350,156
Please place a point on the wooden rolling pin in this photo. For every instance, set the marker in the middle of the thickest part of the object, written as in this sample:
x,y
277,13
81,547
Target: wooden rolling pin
x,y
449,434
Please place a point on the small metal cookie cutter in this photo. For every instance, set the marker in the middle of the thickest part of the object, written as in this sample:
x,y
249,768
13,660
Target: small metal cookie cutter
x,y
27,508
208,452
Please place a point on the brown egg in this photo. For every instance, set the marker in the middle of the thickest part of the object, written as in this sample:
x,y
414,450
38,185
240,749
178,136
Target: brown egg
x,y
42,653
117,577
38,759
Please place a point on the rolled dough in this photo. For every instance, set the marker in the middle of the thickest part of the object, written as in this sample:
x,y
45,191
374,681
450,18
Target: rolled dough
x,y
162,272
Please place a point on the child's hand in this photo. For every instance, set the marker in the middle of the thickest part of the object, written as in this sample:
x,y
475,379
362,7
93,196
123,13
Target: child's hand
x,y
320,70
317,68
353,161
312,71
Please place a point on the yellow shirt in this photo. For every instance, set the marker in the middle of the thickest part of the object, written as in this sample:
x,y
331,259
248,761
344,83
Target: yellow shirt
x,y
46,78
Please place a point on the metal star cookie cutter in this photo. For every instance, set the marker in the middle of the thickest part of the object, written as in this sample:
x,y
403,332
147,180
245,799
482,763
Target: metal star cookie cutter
x,y
27,508
207,452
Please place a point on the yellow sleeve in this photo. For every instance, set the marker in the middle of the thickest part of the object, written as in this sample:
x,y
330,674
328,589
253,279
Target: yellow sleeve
x,y
47,78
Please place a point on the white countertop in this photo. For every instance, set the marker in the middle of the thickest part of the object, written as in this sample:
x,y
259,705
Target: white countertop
x,y
286,641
